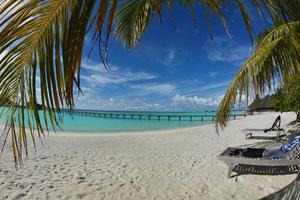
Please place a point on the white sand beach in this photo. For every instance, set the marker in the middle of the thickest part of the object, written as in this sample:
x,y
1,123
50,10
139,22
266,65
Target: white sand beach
x,y
167,164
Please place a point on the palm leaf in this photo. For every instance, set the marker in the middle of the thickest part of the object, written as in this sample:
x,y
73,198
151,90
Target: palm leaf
x,y
276,58
45,39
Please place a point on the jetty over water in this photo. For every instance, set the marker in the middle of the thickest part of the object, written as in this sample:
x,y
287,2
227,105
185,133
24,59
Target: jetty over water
x,y
147,115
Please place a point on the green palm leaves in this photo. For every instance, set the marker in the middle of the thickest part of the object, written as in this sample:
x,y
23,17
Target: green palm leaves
x,y
276,58
41,41
132,20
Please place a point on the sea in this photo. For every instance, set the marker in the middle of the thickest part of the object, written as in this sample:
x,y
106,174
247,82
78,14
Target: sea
x,y
117,123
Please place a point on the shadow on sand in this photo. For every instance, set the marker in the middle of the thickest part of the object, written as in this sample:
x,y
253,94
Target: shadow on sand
x,y
290,192
264,170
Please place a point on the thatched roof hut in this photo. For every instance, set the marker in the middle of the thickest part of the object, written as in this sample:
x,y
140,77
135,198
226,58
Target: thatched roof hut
x,y
264,104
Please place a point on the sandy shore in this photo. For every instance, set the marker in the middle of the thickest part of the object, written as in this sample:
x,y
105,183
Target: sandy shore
x,y
169,164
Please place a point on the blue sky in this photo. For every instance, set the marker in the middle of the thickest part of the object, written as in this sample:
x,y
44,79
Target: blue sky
x,y
170,69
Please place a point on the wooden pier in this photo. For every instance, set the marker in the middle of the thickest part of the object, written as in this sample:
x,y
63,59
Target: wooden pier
x,y
147,116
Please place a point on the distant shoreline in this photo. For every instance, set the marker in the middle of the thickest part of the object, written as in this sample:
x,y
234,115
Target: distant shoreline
x,y
132,121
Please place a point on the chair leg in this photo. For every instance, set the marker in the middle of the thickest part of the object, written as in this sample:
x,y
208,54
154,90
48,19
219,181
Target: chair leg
x,y
231,166
248,136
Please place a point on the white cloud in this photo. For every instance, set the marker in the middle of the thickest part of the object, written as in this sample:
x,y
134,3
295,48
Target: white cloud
x,y
163,55
171,55
213,74
213,86
96,67
195,100
169,58
226,50
196,88
98,75
138,83
163,88
91,100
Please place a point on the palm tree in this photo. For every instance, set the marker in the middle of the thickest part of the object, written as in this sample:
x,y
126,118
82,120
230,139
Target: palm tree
x,y
276,58
44,39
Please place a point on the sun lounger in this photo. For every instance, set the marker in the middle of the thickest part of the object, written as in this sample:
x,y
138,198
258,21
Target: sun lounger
x,y
275,127
261,157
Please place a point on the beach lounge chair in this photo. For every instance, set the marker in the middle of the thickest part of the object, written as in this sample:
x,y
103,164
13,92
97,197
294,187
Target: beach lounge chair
x,y
274,127
288,155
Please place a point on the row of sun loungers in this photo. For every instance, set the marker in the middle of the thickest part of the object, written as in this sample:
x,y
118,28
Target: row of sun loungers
x,y
288,155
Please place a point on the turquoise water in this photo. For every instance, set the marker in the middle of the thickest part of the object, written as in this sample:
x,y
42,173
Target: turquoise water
x,y
78,123
95,124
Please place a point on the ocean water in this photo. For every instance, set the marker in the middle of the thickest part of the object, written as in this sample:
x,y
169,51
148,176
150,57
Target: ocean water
x,y
79,123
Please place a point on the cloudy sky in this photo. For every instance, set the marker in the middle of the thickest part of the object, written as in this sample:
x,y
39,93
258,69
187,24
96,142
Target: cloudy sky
x,y
180,68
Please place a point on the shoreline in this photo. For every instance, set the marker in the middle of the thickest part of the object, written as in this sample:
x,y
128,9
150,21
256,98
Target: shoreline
x,y
119,133
166,164
123,133
93,125
142,132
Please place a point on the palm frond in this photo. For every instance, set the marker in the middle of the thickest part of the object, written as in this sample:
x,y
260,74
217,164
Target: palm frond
x,y
131,21
45,39
276,58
